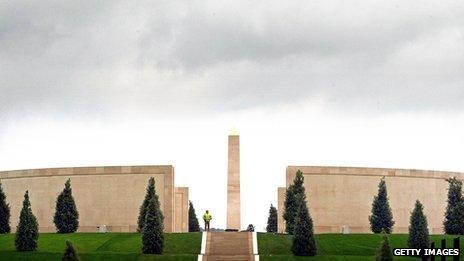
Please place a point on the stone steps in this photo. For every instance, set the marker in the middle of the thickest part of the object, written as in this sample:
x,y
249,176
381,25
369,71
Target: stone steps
x,y
229,246
228,258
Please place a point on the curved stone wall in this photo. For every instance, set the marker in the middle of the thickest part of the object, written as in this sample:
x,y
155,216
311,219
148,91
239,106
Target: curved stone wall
x,y
108,196
342,196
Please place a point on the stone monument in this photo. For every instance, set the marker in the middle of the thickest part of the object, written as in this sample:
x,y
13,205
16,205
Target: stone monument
x,y
233,184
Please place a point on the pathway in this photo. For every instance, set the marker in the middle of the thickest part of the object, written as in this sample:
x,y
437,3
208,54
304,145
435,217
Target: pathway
x,y
236,246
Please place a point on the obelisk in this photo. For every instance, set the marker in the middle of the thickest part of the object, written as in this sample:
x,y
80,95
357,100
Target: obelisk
x,y
233,183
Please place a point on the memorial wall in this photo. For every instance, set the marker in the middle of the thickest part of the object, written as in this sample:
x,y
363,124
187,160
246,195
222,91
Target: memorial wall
x,y
341,197
109,196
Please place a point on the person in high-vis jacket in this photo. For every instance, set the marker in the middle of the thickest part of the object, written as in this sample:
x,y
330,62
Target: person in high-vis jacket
x,y
207,218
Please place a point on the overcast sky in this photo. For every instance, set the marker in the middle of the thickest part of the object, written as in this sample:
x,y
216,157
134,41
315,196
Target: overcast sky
x,y
355,83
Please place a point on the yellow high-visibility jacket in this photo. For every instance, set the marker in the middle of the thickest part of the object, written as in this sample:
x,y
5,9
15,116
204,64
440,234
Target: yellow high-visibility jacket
x,y
207,217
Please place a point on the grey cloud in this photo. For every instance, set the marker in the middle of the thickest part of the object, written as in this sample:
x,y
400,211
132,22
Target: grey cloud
x,y
204,36
188,57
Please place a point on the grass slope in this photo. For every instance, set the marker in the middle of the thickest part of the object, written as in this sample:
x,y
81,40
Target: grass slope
x,y
186,246
335,246
110,246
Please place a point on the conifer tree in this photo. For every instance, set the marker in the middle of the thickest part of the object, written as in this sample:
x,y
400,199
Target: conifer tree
x,y
4,213
298,183
66,217
27,232
152,231
291,201
272,220
194,226
454,215
304,243
381,218
143,208
385,252
70,253
290,209
418,231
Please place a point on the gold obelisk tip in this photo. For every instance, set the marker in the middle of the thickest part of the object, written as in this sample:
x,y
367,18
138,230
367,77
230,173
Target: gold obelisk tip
x,y
233,131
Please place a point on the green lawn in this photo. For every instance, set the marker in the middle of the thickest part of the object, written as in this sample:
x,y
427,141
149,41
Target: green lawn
x,y
335,246
186,246
110,246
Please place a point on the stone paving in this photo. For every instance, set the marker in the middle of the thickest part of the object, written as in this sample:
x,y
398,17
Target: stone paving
x,y
236,246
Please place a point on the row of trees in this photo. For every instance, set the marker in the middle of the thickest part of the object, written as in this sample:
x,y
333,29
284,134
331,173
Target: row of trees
x,y
65,218
150,221
418,234
381,218
299,222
